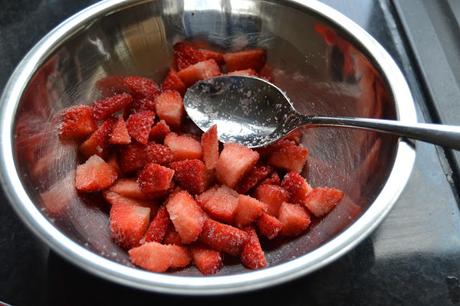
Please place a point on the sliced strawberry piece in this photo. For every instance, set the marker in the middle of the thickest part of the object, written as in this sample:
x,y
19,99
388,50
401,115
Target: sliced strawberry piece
x,y
77,122
206,196
140,105
173,82
155,179
170,107
114,198
206,260
139,125
296,186
113,161
199,71
186,215
158,154
172,237
248,210
128,224
156,257
277,145
104,108
234,162
253,256
320,201
119,133
191,175
98,141
183,147
253,177
158,227
180,256
245,72
221,204
111,85
273,196
247,59
269,226
272,179
94,175
141,88
222,237
185,54
132,157
290,157
159,131
294,219
210,146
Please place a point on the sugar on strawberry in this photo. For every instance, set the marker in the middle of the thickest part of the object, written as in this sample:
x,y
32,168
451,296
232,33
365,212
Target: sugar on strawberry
x,y
321,200
155,179
206,260
296,186
210,146
156,257
248,210
191,175
139,125
246,59
222,237
199,71
170,107
98,141
77,122
273,196
119,135
234,162
269,226
105,107
158,227
220,203
94,175
294,219
173,82
183,146
252,255
159,131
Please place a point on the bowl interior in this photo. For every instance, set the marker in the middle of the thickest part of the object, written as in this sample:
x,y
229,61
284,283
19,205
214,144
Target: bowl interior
x,y
321,68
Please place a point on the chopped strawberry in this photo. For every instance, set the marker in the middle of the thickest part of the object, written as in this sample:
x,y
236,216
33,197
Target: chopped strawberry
x,y
247,59
114,198
223,237
248,210
206,260
139,125
277,145
295,136
77,122
186,215
322,200
159,131
273,196
119,133
104,108
290,157
140,105
113,161
294,219
132,157
199,71
253,177
111,85
94,175
158,154
128,224
183,147
141,88
210,146
158,227
155,179
221,204
296,187
191,175
206,196
173,82
185,54
269,226
98,141
234,162
156,257
253,256
170,107
245,72
172,237
272,179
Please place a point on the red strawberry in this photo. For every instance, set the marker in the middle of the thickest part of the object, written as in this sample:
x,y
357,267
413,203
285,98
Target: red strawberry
x,y
172,237
120,133
272,179
247,59
158,154
296,186
206,196
248,210
322,200
128,224
273,196
159,226
253,177
173,82
170,107
210,146
94,175
191,175
77,122
156,257
277,145
141,88
290,157
98,141
221,204
199,71
206,260
253,256
111,85
234,162
223,237
269,226
155,179
140,105
186,215
104,108
114,198
185,54
294,219
113,161
183,147
245,72
132,157
139,125
295,136
159,131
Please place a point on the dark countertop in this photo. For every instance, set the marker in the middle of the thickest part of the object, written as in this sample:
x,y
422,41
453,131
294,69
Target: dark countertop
x,y
413,258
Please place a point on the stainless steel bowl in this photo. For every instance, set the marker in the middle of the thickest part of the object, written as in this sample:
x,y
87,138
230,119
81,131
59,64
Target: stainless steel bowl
x,y
326,63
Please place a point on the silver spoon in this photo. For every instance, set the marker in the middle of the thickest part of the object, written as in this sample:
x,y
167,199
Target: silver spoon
x,y
254,112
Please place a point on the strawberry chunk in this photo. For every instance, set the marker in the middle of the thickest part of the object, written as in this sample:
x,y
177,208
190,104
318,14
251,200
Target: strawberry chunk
x,y
186,215
253,256
170,107
94,175
172,237
185,54
114,198
320,201
139,125
222,237
173,82
132,157
159,131
141,88
210,146
119,133
273,196
155,179
77,122
199,71
234,162
247,59
156,257
296,187
290,157
158,227
272,179
220,204
113,161
206,196
141,105
206,260
183,147
294,219
128,224
191,175
269,226
104,108
248,210
253,177
98,141
245,72
295,136
158,154
111,85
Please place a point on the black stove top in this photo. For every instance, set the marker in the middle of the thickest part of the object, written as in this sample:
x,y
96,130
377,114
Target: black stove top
x,y
413,258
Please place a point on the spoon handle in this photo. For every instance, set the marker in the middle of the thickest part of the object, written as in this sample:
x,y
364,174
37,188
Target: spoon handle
x,y
439,134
